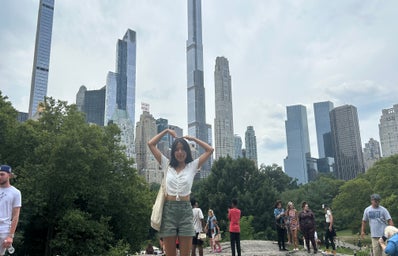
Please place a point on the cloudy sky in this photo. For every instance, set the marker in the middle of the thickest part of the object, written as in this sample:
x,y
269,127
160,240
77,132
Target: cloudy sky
x,y
281,52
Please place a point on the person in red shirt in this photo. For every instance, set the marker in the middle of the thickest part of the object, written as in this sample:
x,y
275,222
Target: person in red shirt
x,y
234,226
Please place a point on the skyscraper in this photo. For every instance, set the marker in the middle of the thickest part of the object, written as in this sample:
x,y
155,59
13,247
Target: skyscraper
x,y
346,141
197,126
120,86
92,103
251,144
238,146
371,153
322,123
223,122
146,162
41,62
298,143
388,131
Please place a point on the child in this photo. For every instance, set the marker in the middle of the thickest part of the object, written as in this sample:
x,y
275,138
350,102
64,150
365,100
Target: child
x,y
216,237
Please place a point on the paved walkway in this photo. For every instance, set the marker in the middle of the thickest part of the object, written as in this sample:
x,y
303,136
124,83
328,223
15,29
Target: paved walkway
x,y
257,248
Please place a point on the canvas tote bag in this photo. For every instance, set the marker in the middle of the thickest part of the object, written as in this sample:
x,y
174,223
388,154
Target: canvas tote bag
x,y
157,208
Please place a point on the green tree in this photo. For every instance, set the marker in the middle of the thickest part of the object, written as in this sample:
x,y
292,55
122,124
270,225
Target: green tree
x,y
349,204
70,173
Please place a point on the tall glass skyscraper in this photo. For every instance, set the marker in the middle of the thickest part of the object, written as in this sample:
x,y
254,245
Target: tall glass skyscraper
x,y
121,84
322,124
197,126
346,141
223,122
298,143
41,62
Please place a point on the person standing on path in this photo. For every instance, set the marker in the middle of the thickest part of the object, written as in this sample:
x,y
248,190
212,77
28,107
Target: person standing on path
x,y
279,214
181,170
330,233
307,226
378,218
234,227
10,207
198,225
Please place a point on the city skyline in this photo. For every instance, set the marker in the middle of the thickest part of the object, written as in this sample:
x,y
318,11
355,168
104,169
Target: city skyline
x,y
288,53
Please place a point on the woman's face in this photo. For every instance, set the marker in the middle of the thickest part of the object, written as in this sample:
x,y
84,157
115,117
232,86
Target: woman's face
x,y
180,153
306,207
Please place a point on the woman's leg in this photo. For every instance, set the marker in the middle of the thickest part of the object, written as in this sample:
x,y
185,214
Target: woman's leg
x,y
170,245
294,237
185,245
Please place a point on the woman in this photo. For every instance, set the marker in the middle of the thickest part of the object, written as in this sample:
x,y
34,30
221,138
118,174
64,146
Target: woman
x,y
330,233
390,233
210,226
292,215
177,211
279,214
307,226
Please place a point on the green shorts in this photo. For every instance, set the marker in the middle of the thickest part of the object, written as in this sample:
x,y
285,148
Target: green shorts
x,y
177,219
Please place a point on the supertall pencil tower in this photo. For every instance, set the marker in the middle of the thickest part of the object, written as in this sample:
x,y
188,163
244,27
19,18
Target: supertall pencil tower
x,y
195,86
41,62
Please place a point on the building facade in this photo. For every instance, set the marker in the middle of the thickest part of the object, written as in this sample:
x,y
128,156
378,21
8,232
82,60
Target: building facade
x,y
346,141
92,104
41,62
197,126
146,163
251,144
298,143
388,131
322,124
223,121
238,146
371,153
120,85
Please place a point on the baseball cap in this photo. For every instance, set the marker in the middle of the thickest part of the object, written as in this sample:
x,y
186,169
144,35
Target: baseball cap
x,y
375,197
5,168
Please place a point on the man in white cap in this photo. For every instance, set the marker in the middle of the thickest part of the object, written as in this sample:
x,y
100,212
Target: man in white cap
x,y
378,218
10,206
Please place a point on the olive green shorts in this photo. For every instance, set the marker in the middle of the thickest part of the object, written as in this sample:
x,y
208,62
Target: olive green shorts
x,y
177,219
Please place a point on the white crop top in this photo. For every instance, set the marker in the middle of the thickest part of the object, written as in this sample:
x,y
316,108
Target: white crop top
x,y
180,184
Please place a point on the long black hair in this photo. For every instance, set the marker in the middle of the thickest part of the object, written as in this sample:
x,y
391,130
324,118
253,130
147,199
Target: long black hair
x,y
187,149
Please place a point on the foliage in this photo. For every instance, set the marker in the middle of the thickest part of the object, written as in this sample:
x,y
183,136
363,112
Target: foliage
x,y
76,182
246,229
239,178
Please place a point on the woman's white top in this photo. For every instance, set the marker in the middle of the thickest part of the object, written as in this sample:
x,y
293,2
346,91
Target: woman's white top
x,y
327,216
180,184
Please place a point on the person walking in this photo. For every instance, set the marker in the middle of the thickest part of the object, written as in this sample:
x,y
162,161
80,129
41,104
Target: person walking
x,y
330,232
279,214
307,226
181,169
234,227
10,207
198,225
378,218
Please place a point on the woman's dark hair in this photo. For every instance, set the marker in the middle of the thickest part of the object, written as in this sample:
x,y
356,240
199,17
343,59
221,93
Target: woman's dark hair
x,y
303,204
234,202
278,202
187,149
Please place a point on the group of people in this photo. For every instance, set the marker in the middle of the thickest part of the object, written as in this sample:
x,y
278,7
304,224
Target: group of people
x,y
291,221
382,231
182,218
